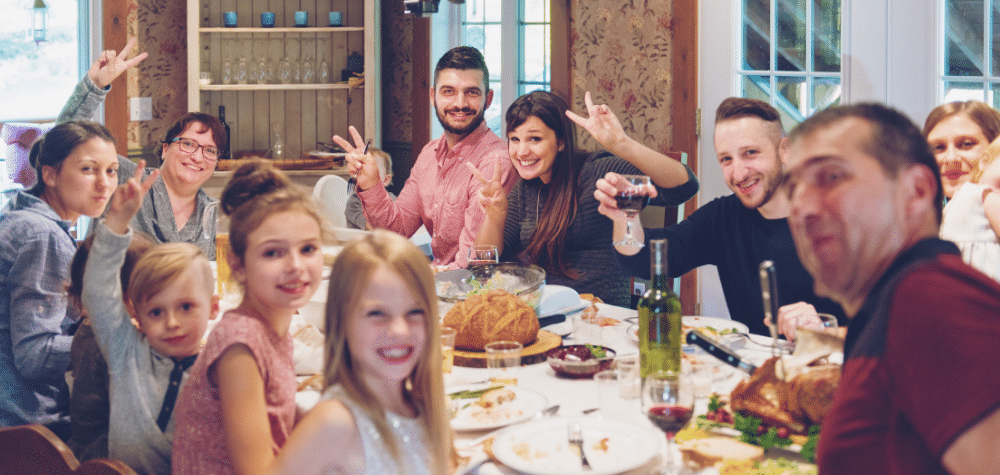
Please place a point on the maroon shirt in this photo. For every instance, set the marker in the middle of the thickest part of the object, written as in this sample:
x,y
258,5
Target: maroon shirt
x,y
440,194
921,366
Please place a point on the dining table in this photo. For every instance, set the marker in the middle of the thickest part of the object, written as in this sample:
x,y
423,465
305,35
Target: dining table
x,y
578,399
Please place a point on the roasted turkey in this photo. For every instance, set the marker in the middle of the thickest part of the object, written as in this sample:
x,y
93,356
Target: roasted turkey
x,y
797,392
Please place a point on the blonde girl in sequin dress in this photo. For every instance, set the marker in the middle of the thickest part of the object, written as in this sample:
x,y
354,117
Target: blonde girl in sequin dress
x,y
238,407
383,410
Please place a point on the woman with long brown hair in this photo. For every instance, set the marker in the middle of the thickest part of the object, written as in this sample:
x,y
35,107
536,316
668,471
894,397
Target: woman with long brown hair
x,y
550,217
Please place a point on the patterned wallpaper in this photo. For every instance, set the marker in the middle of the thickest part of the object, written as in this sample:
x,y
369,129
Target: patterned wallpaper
x,y
160,27
620,52
397,73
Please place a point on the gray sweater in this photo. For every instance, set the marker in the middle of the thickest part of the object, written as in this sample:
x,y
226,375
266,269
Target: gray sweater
x,y
138,374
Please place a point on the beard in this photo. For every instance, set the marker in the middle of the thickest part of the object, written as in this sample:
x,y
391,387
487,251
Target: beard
x,y
476,120
770,183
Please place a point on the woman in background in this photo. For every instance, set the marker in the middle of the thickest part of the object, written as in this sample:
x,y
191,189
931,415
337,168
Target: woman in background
x,y
958,133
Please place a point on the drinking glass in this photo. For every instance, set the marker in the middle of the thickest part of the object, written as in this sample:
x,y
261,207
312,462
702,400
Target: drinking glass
x,y
308,71
481,256
448,348
227,71
632,199
242,71
503,358
668,401
285,71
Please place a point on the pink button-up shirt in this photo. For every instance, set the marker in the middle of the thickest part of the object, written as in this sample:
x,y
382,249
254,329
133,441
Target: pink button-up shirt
x,y
441,194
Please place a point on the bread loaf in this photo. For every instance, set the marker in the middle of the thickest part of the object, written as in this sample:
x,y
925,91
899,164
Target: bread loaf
x,y
709,451
493,316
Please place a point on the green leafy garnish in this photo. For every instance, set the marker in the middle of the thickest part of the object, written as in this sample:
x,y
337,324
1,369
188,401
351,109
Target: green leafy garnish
x,y
747,425
714,403
808,451
729,331
597,351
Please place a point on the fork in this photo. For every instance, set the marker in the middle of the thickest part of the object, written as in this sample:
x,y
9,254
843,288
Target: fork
x,y
575,436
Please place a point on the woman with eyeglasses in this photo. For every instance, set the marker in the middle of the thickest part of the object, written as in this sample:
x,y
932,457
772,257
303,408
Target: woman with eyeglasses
x,y
174,209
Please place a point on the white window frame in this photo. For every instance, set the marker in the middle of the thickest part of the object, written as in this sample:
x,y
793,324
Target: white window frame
x,y
892,54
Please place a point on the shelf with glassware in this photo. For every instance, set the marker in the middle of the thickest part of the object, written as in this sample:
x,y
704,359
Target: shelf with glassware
x,y
306,29
286,81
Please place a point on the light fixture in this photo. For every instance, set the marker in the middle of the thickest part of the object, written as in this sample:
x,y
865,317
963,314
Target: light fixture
x,y
422,8
39,16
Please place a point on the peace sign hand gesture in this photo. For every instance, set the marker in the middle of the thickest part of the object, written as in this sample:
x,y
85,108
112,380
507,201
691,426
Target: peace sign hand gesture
x,y
601,123
109,66
360,165
491,196
127,200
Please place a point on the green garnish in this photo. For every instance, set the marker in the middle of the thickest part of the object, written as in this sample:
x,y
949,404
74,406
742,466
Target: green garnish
x,y
808,451
597,351
729,331
714,403
467,394
747,425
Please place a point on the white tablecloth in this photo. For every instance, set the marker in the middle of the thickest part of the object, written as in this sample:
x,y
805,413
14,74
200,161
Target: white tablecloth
x,y
576,395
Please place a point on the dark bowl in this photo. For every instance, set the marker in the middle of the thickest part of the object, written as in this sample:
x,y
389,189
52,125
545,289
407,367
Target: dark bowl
x,y
565,362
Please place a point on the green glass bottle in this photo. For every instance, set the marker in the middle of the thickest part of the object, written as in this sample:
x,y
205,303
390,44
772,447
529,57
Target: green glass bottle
x,y
659,318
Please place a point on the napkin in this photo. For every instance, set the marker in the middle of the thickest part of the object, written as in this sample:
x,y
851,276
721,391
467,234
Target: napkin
x,y
559,299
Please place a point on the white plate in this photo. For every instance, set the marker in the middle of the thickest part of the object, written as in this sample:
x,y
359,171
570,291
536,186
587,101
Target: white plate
x,y
697,322
540,447
471,417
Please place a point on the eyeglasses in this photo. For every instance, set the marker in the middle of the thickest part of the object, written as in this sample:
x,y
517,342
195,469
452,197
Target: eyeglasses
x,y
190,146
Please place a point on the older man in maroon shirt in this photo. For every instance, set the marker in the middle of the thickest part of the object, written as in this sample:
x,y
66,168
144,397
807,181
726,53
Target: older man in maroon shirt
x,y
919,392
440,193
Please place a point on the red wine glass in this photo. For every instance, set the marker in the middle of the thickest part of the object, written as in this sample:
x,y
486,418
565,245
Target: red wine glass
x,y
668,401
632,198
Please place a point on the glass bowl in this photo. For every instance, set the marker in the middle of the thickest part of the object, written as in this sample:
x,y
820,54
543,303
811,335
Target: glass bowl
x,y
523,280
567,362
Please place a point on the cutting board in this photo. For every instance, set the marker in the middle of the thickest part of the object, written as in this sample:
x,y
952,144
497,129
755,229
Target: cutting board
x,y
531,354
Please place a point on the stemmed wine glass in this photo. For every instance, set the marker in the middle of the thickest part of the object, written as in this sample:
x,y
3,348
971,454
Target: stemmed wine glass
x,y
632,199
480,257
668,401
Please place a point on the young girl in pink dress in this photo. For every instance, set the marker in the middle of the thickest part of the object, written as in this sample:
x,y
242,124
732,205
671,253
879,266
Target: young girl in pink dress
x,y
383,409
238,407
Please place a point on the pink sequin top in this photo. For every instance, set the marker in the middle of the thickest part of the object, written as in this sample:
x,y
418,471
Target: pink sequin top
x,y
199,440
440,194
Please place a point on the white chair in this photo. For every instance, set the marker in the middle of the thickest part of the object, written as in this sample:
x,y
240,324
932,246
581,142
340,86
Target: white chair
x,y
331,196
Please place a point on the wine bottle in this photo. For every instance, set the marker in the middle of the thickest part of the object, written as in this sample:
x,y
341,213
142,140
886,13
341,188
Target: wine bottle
x,y
224,153
659,318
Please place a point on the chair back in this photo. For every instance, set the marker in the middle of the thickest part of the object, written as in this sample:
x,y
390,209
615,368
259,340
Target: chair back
x,y
35,450
331,196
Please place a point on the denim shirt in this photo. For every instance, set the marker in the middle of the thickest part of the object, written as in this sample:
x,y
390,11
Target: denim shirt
x,y
35,251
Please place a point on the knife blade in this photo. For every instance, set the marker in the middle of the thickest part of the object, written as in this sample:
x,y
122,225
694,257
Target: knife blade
x,y
721,352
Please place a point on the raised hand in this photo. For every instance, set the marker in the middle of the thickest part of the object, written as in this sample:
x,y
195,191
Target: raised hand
x,y
607,188
127,200
491,196
794,315
109,65
360,165
601,123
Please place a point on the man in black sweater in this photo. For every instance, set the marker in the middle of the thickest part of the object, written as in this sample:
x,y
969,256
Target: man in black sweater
x,y
736,232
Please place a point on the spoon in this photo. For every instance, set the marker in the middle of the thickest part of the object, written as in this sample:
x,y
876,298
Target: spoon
x,y
548,411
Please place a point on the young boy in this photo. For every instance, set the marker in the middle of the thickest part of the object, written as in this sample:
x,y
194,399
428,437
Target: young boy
x,y
171,297
89,406
354,211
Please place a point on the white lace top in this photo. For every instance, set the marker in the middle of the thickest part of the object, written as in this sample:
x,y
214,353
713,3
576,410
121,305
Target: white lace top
x,y
410,438
965,224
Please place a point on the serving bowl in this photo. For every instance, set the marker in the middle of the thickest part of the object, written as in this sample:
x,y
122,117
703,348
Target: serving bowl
x,y
523,280
576,361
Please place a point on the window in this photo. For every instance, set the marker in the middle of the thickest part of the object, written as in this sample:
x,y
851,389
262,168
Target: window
x,y
488,26
36,79
971,38
800,72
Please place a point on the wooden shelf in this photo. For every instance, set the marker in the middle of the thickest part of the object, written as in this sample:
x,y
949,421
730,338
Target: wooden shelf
x,y
307,29
275,87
